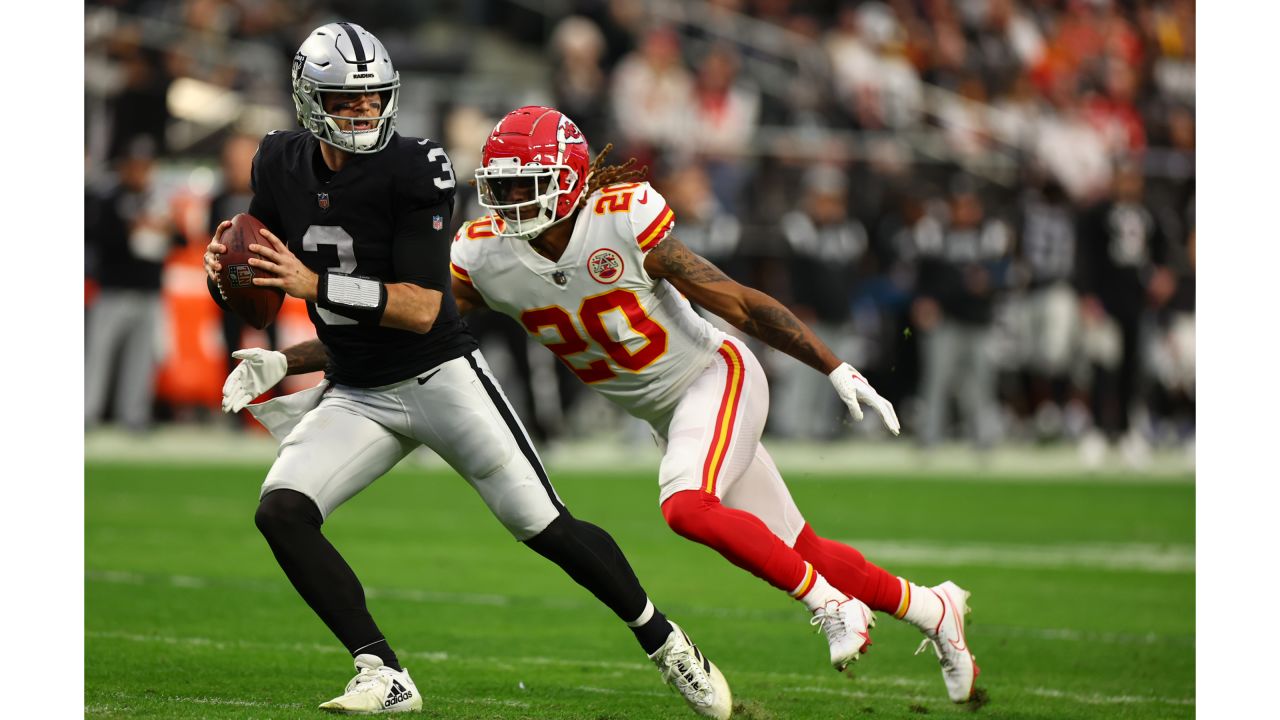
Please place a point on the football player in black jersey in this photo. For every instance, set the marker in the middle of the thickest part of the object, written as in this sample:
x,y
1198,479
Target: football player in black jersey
x,y
358,226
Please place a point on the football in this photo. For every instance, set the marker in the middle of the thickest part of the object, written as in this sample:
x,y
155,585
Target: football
x,y
254,304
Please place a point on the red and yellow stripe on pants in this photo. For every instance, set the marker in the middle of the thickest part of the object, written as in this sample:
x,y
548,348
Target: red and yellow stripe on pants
x,y
725,418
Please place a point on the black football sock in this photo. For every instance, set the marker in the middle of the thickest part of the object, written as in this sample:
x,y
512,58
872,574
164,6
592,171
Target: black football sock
x,y
382,650
290,522
590,556
654,633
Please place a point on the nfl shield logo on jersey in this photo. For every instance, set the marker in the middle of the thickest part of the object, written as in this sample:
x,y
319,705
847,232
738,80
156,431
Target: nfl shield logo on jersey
x,y
605,266
437,222
323,199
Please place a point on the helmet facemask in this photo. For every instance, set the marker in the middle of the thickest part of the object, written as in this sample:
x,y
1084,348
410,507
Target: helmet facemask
x,y
523,197
309,97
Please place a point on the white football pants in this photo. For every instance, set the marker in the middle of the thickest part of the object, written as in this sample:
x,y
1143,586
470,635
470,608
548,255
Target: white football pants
x,y
711,442
355,435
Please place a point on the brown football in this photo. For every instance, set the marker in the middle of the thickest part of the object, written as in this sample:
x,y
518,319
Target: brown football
x,y
254,304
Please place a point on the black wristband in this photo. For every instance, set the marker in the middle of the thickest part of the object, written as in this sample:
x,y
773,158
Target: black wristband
x,y
362,299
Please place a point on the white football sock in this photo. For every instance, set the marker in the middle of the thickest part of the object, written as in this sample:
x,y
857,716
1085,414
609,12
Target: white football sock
x,y
919,606
820,593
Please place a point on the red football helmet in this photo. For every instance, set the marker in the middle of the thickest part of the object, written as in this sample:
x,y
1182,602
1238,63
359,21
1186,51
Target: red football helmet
x,y
535,166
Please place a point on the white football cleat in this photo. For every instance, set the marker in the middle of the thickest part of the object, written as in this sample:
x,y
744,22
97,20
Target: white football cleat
x,y
695,677
959,671
847,626
376,688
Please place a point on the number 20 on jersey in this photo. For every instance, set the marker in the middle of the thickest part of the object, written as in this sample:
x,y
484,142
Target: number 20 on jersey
x,y
591,314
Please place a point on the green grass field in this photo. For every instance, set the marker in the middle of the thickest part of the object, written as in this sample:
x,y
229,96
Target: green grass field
x,y
1083,600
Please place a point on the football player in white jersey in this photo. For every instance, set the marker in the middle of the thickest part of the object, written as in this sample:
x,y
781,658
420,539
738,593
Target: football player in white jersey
x,y
583,256
401,369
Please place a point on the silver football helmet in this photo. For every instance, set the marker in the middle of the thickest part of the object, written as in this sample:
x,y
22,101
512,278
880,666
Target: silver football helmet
x,y
343,57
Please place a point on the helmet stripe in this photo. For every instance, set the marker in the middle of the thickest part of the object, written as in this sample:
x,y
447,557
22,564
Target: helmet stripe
x,y
355,41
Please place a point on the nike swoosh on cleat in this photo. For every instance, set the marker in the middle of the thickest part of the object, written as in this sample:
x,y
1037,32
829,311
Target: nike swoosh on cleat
x,y
423,380
962,645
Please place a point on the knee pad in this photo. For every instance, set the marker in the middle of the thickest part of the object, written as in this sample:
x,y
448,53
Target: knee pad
x,y
684,512
555,535
283,508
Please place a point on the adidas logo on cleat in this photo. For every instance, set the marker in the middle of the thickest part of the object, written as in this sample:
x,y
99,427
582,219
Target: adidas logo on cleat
x,y
397,695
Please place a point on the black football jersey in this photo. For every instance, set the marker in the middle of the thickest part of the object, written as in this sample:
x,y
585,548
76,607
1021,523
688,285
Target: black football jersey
x,y
384,215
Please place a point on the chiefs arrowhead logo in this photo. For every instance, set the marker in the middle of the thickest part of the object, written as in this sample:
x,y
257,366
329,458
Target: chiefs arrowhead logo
x,y
605,266
567,132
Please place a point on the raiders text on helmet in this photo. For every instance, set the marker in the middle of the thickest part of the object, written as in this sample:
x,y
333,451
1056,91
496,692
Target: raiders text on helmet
x,y
344,58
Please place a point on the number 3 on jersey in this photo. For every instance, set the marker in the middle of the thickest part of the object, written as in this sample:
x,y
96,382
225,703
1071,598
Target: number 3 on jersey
x,y
318,235
447,180
591,315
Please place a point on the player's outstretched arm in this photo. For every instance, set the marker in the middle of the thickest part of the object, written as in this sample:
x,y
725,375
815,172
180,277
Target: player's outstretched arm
x,y
747,309
305,357
763,317
467,297
259,371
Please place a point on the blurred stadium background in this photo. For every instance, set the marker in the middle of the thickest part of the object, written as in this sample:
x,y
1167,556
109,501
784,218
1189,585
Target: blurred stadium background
x,y
988,206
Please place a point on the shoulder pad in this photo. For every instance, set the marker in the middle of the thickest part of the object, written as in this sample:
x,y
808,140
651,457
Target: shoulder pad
x,y
424,168
480,228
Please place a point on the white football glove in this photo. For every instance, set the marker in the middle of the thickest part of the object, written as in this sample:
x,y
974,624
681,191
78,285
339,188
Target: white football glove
x,y
259,370
852,388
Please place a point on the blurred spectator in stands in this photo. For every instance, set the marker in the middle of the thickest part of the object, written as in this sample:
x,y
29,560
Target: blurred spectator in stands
x,y
1174,350
1069,147
1175,347
233,198
1113,113
620,22
827,246
653,97
725,114
895,356
1170,28
579,83
1015,116
952,59
962,265
1048,310
705,226
131,235
963,117
466,127
1122,273
1014,28
140,106
874,80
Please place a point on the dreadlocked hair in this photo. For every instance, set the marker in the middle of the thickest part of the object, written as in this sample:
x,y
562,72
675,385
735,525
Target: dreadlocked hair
x,y
601,175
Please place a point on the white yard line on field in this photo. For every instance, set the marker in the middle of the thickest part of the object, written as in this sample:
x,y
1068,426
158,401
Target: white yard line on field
x,y
469,599
1089,556
199,700
1095,699
196,444
202,700
489,662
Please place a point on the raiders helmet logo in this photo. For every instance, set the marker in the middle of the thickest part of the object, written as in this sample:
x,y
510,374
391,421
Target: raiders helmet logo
x,y
605,266
298,61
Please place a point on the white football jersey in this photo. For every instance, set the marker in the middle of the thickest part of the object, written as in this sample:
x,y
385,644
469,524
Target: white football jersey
x,y
633,338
